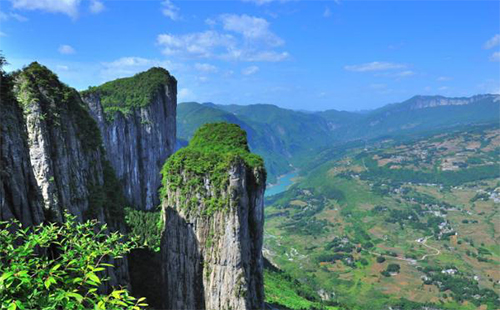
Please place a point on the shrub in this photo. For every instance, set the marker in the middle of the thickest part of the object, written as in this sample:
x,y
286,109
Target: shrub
x,y
60,266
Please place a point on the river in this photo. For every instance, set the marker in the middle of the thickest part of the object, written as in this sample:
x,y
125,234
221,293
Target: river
x,y
283,184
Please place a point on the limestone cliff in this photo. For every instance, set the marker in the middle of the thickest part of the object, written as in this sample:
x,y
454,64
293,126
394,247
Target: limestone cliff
x,y
213,196
137,120
65,155
20,197
64,143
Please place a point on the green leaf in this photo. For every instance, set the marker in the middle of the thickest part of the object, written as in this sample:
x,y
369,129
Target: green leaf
x,y
55,267
92,276
49,281
76,296
116,294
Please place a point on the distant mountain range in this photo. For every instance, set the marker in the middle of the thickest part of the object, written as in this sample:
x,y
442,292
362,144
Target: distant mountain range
x,y
288,138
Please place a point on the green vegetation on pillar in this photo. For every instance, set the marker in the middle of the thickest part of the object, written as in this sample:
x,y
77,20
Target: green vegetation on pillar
x,y
214,149
128,93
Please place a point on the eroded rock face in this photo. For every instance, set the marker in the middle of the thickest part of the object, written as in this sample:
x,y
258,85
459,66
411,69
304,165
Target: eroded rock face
x,y
59,143
138,143
20,197
212,255
64,143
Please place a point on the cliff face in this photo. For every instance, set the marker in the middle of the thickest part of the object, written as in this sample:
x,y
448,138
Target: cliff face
x,y
65,155
19,195
213,200
137,120
64,144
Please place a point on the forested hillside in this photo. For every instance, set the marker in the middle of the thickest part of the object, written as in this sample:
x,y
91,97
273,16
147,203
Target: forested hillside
x,y
289,139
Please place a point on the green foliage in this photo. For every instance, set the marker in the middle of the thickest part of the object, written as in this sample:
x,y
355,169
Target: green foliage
x,y
108,197
37,85
448,178
462,288
60,266
283,290
393,267
214,149
285,137
128,93
145,226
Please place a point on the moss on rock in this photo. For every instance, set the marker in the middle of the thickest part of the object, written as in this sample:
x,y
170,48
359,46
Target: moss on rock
x,y
125,94
214,149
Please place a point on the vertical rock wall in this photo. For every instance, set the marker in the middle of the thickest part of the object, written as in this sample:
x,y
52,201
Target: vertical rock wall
x,y
20,197
64,143
58,142
139,141
212,252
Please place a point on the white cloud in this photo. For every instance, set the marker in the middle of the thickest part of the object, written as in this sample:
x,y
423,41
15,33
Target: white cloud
x,y
170,10
444,78
405,73
495,56
252,28
204,67
378,86
260,2
68,7
243,38
185,94
11,15
491,43
66,49
211,22
127,66
250,70
199,44
62,67
2,34
18,17
96,6
489,86
267,56
327,13
374,66
443,88
213,44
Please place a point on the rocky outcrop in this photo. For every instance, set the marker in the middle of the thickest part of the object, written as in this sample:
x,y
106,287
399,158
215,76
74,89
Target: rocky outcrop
x,y
423,102
64,144
65,155
213,198
137,120
20,197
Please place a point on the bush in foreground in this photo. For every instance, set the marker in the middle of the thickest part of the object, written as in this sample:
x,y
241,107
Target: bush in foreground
x,y
60,266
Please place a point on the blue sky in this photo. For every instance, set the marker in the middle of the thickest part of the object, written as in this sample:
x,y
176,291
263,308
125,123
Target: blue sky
x,y
311,55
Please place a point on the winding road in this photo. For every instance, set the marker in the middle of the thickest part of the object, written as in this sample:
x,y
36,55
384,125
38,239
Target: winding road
x,y
409,260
